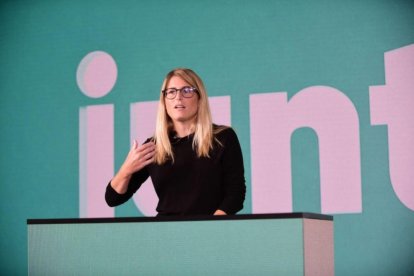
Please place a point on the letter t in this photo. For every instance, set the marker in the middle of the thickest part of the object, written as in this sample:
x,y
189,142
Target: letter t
x,y
392,104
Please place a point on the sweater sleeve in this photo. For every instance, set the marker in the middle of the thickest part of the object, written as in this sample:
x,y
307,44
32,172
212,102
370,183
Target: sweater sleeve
x,y
234,184
113,198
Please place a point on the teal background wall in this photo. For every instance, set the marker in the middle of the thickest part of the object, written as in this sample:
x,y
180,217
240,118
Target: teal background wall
x,y
239,48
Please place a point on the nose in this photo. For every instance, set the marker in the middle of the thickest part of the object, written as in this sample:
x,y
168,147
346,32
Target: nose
x,y
179,95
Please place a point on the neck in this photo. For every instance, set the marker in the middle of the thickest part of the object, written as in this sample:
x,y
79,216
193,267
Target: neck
x,y
183,129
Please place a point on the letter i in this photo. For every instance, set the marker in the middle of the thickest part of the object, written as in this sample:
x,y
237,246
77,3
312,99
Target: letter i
x,y
96,76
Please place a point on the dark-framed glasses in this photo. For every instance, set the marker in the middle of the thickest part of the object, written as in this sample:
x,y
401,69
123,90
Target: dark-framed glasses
x,y
186,92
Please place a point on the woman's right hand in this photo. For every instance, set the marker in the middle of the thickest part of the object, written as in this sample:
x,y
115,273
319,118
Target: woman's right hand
x,y
137,158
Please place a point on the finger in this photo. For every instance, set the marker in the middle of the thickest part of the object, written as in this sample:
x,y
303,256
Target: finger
x,y
147,145
149,161
148,155
144,149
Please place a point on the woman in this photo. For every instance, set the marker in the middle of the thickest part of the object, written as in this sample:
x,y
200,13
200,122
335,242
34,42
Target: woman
x,y
196,167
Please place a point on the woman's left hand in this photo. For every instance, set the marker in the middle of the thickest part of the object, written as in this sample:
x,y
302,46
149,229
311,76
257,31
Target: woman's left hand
x,y
219,213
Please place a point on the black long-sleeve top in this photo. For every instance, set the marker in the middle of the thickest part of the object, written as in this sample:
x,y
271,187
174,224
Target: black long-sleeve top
x,y
193,185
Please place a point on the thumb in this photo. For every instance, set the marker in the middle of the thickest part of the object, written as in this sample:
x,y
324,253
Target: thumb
x,y
134,144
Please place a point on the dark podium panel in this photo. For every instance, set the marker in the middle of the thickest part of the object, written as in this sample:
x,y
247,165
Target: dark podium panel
x,y
268,244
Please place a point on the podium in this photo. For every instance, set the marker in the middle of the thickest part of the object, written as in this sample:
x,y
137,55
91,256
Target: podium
x,y
262,244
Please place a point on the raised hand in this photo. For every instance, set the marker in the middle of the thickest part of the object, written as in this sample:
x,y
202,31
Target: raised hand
x,y
137,158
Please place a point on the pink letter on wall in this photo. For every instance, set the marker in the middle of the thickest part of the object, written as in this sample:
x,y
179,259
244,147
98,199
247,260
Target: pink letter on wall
x,y
392,104
96,76
143,118
96,164
335,120
142,126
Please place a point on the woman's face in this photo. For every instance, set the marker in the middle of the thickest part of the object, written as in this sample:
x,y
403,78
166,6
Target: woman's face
x,y
181,109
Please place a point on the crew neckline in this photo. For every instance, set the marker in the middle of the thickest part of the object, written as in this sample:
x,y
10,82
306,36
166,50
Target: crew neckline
x,y
174,138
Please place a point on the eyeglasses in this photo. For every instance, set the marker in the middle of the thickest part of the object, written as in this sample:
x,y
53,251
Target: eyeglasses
x,y
186,92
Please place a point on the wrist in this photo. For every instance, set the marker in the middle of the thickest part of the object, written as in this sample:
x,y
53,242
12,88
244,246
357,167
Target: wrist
x,y
123,174
120,182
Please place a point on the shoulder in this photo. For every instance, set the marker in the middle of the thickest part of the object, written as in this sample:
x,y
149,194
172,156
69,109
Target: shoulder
x,y
226,142
224,133
150,139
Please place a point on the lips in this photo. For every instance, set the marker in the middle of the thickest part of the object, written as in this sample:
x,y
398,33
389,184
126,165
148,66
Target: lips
x,y
179,106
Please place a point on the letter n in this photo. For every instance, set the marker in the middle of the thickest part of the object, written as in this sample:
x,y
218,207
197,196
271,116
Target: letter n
x,y
334,118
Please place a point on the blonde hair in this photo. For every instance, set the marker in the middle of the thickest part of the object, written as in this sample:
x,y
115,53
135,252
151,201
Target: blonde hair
x,y
203,127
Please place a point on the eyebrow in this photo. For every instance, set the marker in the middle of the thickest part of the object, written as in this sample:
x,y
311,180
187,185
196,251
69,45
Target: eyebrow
x,y
178,88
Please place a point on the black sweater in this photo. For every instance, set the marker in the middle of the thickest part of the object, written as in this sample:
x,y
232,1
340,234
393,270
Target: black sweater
x,y
193,185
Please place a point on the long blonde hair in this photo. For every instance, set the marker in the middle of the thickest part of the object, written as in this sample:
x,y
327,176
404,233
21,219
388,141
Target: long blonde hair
x,y
203,127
